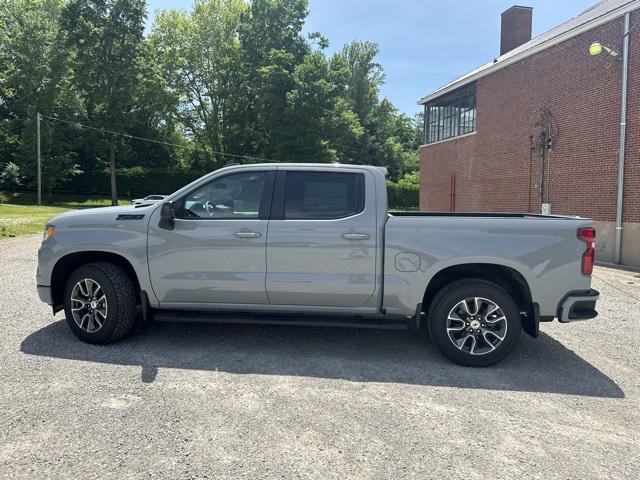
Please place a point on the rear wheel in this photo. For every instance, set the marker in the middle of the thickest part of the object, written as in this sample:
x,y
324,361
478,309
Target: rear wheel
x,y
474,322
100,303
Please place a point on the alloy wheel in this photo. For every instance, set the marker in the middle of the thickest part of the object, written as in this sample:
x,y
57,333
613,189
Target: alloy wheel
x,y
88,305
476,325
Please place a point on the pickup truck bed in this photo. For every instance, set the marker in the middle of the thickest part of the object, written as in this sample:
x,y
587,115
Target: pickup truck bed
x,y
394,213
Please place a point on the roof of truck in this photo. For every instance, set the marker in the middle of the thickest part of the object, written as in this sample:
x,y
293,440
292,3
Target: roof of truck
x,y
307,165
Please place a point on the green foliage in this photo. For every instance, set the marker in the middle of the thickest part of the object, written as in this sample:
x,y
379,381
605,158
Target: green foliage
x,y
318,122
33,78
137,181
10,177
366,76
104,37
228,77
200,57
405,193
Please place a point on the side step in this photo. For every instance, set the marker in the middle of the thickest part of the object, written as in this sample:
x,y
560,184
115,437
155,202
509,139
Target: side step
x,y
188,316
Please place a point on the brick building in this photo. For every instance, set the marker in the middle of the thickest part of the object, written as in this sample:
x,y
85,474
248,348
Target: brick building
x,y
541,124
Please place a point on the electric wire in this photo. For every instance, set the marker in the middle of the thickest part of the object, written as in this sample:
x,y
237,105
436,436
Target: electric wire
x,y
161,142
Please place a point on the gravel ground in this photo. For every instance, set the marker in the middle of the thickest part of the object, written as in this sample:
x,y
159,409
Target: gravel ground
x,y
207,401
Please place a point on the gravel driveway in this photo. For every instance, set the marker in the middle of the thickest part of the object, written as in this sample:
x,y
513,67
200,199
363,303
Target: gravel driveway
x,y
208,401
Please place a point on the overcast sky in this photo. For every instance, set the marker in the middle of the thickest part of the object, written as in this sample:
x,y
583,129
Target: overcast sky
x,y
423,43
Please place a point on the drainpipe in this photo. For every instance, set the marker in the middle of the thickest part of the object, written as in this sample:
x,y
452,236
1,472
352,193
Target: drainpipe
x,y
623,140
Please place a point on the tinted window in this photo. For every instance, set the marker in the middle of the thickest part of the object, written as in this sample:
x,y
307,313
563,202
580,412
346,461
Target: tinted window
x,y
320,195
230,197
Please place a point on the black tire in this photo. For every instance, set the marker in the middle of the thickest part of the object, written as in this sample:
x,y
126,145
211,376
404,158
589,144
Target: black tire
x,y
451,296
120,295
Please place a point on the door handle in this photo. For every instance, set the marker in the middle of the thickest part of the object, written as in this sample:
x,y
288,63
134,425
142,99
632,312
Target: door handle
x,y
247,234
355,236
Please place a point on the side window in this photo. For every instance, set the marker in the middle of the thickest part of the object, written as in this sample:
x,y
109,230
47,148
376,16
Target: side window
x,y
234,196
323,195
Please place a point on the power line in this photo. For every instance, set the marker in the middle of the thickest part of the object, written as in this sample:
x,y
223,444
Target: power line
x,y
133,137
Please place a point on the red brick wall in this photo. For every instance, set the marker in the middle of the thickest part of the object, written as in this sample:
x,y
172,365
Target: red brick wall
x,y
492,166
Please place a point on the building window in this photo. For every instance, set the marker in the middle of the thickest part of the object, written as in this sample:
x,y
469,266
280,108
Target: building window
x,y
451,115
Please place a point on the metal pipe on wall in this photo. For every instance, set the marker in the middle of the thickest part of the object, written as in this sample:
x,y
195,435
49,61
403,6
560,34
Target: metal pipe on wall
x,y
623,140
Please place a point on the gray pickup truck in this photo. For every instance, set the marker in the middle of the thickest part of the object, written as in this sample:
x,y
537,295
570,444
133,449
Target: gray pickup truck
x,y
316,245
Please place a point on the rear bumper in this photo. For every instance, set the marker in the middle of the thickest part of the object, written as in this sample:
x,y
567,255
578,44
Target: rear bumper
x,y
578,306
45,294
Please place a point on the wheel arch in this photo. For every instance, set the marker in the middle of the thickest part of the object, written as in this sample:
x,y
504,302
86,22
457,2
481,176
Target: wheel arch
x,y
506,277
67,264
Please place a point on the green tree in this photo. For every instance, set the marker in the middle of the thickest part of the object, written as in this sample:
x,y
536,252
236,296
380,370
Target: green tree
x,y
200,57
318,121
228,77
34,77
105,38
388,137
10,176
366,77
272,48
392,139
154,116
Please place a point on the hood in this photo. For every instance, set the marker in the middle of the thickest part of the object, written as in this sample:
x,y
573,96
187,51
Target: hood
x,y
102,214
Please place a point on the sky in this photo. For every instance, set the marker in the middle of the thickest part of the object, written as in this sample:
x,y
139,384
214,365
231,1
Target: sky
x,y
424,44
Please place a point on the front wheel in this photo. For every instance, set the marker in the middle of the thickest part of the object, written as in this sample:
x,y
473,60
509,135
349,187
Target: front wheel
x,y
474,322
100,303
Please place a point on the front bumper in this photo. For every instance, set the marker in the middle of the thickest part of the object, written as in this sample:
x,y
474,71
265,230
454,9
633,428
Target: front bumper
x,y
45,294
578,306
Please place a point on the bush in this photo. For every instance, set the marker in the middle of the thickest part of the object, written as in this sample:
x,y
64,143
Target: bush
x,y
10,177
405,193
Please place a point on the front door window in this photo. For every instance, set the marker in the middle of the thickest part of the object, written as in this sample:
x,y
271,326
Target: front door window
x,y
235,196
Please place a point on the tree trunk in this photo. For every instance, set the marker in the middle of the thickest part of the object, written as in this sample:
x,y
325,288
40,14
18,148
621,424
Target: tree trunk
x,y
112,159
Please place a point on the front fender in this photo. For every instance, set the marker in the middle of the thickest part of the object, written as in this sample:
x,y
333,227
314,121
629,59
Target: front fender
x,y
126,241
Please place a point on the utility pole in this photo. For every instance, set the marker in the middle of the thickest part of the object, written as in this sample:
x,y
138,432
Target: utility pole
x,y
112,161
623,140
39,158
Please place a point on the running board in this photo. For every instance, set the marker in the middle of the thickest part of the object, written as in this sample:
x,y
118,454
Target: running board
x,y
189,316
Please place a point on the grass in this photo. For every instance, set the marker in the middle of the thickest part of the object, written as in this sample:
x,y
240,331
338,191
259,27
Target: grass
x,y
20,214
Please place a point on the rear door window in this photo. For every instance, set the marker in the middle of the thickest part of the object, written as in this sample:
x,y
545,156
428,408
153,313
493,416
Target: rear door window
x,y
323,195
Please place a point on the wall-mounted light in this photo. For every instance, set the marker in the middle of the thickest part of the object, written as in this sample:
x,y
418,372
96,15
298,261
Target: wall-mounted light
x,y
596,48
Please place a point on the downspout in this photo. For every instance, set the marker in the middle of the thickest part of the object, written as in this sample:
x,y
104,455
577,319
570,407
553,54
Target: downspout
x,y
623,139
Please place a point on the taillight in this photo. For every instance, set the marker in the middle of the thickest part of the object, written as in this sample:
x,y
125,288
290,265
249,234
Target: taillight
x,y
588,235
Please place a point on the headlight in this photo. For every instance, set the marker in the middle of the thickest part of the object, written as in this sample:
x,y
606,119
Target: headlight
x,y
49,230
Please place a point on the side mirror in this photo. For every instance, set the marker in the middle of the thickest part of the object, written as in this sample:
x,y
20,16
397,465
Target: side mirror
x,y
167,216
